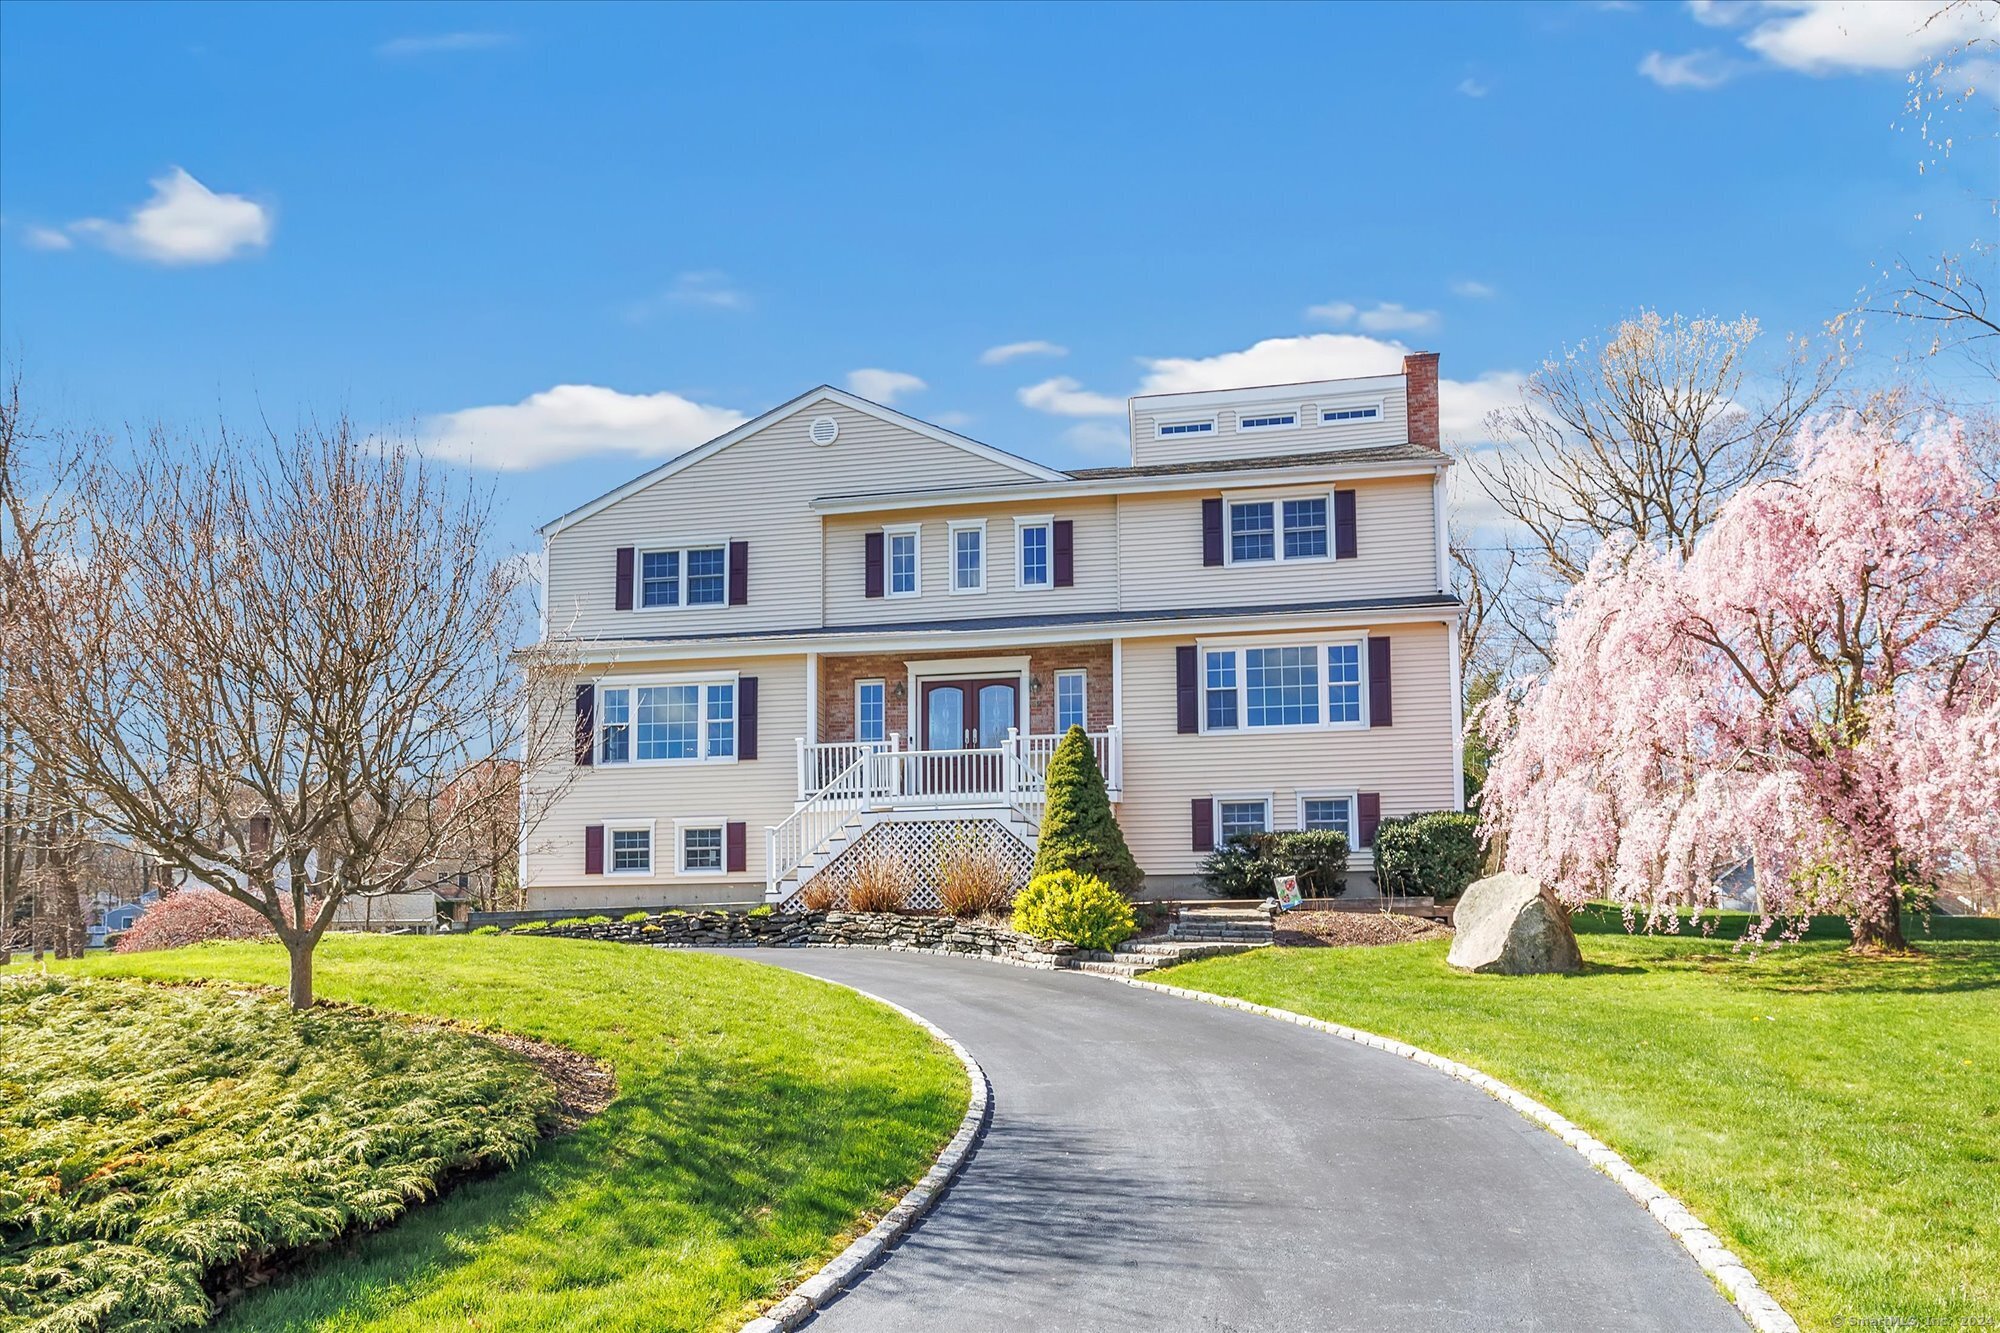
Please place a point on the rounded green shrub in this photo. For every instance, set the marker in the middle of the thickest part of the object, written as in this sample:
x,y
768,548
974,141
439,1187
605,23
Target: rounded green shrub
x,y
1247,865
1078,829
762,909
633,918
1434,855
1082,909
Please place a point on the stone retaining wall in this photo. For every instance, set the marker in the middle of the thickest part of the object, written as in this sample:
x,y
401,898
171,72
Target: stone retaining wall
x,y
880,930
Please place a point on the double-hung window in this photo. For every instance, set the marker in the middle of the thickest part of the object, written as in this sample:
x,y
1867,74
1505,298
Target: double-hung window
x,y
1035,570
1070,710
1278,529
1234,818
968,557
677,723
1291,685
1250,536
870,718
701,848
904,562
689,576
1328,814
632,851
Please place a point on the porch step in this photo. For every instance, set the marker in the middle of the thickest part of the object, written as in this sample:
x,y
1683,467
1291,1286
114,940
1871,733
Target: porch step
x,y
1134,957
1231,924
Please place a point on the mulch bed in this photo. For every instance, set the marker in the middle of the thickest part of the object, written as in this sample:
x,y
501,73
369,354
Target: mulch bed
x,y
1311,930
583,1086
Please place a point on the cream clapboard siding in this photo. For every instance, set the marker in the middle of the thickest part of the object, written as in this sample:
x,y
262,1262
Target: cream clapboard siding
x,y
1160,551
1410,763
757,490
758,792
1310,436
1096,550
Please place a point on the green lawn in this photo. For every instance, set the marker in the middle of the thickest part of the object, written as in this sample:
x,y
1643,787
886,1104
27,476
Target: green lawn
x,y
759,1115
1835,1120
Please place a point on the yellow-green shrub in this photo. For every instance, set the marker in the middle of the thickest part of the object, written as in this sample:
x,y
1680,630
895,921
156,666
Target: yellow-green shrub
x,y
1064,905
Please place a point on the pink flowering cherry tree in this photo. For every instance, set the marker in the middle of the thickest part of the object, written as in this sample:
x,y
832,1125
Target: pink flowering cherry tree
x,y
1816,687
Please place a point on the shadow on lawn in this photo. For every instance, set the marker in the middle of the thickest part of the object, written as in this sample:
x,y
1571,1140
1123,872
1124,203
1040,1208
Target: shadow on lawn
x,y
687,1149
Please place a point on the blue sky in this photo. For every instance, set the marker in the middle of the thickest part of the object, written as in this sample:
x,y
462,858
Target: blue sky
x,y
688,215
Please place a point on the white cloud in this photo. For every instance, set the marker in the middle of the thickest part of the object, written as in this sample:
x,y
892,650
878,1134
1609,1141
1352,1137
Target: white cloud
x,y
1099,439
1388,317
1310,356
47,238
442,43
1471,87
1843,36
575,420
708,289
1463,404
1702,69
1473,290
1064,397
883,386
183,223
951,420
1005,352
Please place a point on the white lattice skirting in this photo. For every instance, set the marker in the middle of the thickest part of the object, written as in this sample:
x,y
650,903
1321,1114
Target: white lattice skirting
x,y
921,845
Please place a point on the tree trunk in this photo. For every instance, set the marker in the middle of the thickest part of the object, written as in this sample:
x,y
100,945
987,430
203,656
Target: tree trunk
x,y
301,951
1881,931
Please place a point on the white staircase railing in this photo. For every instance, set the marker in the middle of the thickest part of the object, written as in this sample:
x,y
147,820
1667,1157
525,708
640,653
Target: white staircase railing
x,y
806,831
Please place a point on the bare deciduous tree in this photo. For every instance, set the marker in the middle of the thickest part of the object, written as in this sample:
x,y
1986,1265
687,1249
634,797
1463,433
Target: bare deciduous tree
x,y
266,662
1644,434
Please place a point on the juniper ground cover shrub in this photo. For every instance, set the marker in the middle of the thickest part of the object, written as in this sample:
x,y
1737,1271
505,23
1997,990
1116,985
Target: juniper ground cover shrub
x,y
154,1137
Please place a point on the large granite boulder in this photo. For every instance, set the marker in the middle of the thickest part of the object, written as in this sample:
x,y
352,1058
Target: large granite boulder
x,y
1510,923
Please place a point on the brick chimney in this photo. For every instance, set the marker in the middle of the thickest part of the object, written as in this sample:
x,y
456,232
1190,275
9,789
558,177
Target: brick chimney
x,y
1420,370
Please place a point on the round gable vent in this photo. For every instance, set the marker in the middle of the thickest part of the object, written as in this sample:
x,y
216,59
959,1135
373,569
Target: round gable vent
x,y
824,430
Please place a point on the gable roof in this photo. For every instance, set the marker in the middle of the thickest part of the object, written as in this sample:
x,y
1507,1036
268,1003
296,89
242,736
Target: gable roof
x,y
826,392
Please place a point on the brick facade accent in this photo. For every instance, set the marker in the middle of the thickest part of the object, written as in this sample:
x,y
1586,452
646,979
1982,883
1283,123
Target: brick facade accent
x,y
1420,371
838,674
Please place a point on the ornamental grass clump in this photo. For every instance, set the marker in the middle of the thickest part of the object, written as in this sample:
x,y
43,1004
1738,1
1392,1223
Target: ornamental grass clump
x,y
973,880
881,884
1079,908
156,1138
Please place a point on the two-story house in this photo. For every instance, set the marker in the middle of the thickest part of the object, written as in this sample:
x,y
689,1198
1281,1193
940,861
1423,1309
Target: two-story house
x,y
838,628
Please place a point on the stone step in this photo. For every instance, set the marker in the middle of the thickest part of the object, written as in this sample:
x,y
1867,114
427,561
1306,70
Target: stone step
x,y
1111,969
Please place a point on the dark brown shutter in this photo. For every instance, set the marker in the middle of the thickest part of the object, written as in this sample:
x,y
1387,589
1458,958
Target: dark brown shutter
x,y
1063,538
1203,811
739,573
622,596
746,717
593,850
1211,532
1381,707
586,723
737,860
1187,695
1344,547
871,565
1367,817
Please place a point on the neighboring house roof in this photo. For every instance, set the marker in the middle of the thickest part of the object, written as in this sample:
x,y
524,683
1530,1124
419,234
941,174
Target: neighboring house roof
x,y
1380,453
1426,601
1029,470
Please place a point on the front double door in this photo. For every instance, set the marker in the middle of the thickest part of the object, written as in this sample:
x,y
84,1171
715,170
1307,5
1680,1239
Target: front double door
x,y
965,725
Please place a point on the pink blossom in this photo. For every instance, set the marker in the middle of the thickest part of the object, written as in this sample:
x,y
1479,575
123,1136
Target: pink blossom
x,y
1816,688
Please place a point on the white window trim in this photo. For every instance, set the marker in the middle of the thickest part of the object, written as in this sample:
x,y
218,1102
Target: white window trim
x,y
1321,642
634,684
1276,499
1298,418
952,528
680,602
1083,675
1160,423
871,680
915,532
646,826
1217,799
1021,583
681,826
1380,405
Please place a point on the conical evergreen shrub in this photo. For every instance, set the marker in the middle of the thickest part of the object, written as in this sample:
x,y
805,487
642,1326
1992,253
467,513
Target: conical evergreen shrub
x,y
1078,831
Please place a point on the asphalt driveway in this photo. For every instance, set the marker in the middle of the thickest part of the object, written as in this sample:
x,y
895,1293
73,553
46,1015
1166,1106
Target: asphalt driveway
x,y
1158,1164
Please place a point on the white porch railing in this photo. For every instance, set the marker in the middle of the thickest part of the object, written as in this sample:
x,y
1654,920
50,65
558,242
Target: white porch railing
x,y
900,775
842,780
